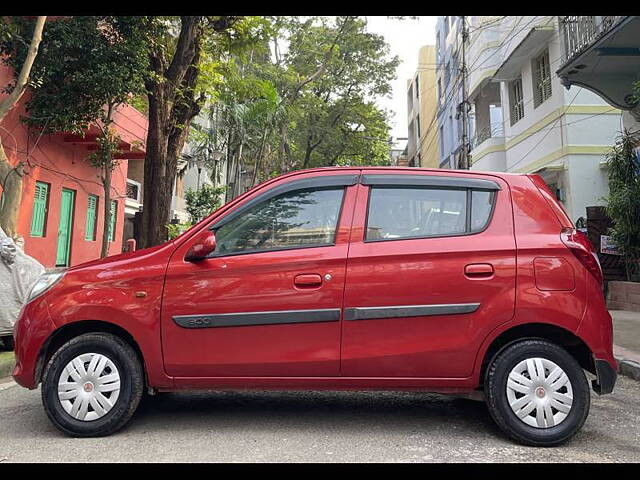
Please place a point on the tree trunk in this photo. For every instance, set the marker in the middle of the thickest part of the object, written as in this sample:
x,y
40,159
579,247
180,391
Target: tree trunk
x,y
106,185
11,178
259,157
170,115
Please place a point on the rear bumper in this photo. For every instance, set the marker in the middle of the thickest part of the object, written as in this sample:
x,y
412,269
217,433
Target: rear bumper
x,y
606,377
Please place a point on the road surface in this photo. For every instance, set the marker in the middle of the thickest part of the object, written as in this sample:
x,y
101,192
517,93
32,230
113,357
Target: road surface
x,y
314,427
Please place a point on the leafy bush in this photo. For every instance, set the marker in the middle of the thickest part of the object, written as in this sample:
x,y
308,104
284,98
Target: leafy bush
x,y
177,229
623,203
203,201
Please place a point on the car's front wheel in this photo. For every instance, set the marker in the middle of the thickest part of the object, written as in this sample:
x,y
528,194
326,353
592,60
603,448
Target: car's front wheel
x,y
537,393
92,385
8,343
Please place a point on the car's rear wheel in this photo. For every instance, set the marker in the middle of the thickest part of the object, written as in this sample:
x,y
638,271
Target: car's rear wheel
x,y
537,393
92,385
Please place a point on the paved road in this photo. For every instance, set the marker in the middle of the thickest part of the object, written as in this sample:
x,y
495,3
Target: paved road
x,y
315,427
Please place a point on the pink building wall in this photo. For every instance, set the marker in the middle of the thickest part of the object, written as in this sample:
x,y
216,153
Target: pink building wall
x,y
63,164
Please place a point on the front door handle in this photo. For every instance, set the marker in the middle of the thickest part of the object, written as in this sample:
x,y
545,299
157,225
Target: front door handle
x,y
476,270
307,280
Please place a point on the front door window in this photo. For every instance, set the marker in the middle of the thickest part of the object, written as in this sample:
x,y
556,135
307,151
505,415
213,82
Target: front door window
x,y
297,219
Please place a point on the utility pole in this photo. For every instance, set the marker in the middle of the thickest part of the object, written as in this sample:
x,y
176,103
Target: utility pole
x,y
463,108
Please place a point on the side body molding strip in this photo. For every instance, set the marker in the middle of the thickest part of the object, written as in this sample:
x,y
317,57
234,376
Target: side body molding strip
x,y
400,311
257,318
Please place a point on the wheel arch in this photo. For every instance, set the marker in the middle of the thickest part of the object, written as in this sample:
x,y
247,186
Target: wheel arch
x,y
71,330
562,337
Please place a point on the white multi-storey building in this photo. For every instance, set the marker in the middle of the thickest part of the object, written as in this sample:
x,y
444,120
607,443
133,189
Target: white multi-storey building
x,y
524,120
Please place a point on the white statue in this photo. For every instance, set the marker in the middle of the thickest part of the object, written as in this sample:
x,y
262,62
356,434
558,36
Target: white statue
x,y
18,273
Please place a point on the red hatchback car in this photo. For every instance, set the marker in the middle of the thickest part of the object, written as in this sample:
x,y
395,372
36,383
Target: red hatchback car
x,y
340,278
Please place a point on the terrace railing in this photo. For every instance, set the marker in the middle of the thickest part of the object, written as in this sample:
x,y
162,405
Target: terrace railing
x,y
578,32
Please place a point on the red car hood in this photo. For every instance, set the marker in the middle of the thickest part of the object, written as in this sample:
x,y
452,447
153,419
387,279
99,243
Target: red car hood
x,y
127,256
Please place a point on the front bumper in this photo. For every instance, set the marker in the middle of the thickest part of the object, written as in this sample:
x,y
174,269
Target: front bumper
x,y
606,377
33,328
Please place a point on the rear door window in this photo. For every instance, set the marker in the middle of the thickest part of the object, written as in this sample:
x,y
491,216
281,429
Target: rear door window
x,y
397,212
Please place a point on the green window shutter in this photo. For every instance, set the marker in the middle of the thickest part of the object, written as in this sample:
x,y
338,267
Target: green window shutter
x,y
38,218
112,220
92,215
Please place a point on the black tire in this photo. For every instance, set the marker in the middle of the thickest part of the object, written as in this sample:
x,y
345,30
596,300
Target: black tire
x,y
131,384
8,343
508,421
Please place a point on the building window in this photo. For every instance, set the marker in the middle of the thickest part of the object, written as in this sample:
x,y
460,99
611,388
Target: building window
x,y
92,217
418,86
112,220
418,127
446,26
40,208
516,104
541,79
439,91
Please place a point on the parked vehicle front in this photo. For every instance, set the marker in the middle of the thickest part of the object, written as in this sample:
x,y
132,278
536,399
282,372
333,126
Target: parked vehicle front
x,y
340,278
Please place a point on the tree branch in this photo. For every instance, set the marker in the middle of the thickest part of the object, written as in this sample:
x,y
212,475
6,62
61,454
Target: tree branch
x,y
23,78
185,49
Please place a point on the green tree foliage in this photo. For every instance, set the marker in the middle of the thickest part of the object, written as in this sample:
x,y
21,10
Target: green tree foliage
x,y
86,68
11,173
623,203
186,56
202,202
84,65
303,96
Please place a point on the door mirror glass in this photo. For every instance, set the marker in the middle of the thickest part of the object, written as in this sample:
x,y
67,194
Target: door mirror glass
x,y
203,246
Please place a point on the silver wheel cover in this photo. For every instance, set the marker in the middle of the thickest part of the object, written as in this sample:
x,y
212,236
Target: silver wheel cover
x,y
539,392
89,386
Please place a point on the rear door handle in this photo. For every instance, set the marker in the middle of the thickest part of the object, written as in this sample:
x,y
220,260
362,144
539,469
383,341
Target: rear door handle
x,y
307,280
476,270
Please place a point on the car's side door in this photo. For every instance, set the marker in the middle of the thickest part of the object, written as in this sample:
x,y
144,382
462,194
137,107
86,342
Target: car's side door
x,y
430,271
267,301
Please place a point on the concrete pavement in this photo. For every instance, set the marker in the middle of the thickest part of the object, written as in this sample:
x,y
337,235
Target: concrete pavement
x,y
626,339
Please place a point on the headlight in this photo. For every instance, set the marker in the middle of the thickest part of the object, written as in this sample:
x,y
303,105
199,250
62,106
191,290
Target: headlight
x,y
44,283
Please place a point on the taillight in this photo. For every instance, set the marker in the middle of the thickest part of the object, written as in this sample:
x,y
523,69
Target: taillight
x,y
581,247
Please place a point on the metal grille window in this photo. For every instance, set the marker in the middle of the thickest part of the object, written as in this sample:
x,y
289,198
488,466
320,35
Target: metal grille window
x,y
112,220
133,190
39,216
516,103
541,79
92,215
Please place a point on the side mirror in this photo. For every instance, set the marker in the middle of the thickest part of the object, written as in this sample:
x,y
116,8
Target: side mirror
x,y
204,245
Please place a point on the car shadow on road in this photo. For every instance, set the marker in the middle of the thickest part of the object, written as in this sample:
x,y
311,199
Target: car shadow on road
x,y
400,411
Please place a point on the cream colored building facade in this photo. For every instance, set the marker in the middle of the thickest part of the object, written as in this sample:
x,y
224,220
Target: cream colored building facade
x,y
422,145
525,121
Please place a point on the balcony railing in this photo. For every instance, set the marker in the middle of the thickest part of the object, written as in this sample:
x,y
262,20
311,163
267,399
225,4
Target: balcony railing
x,y
495,130
578,32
